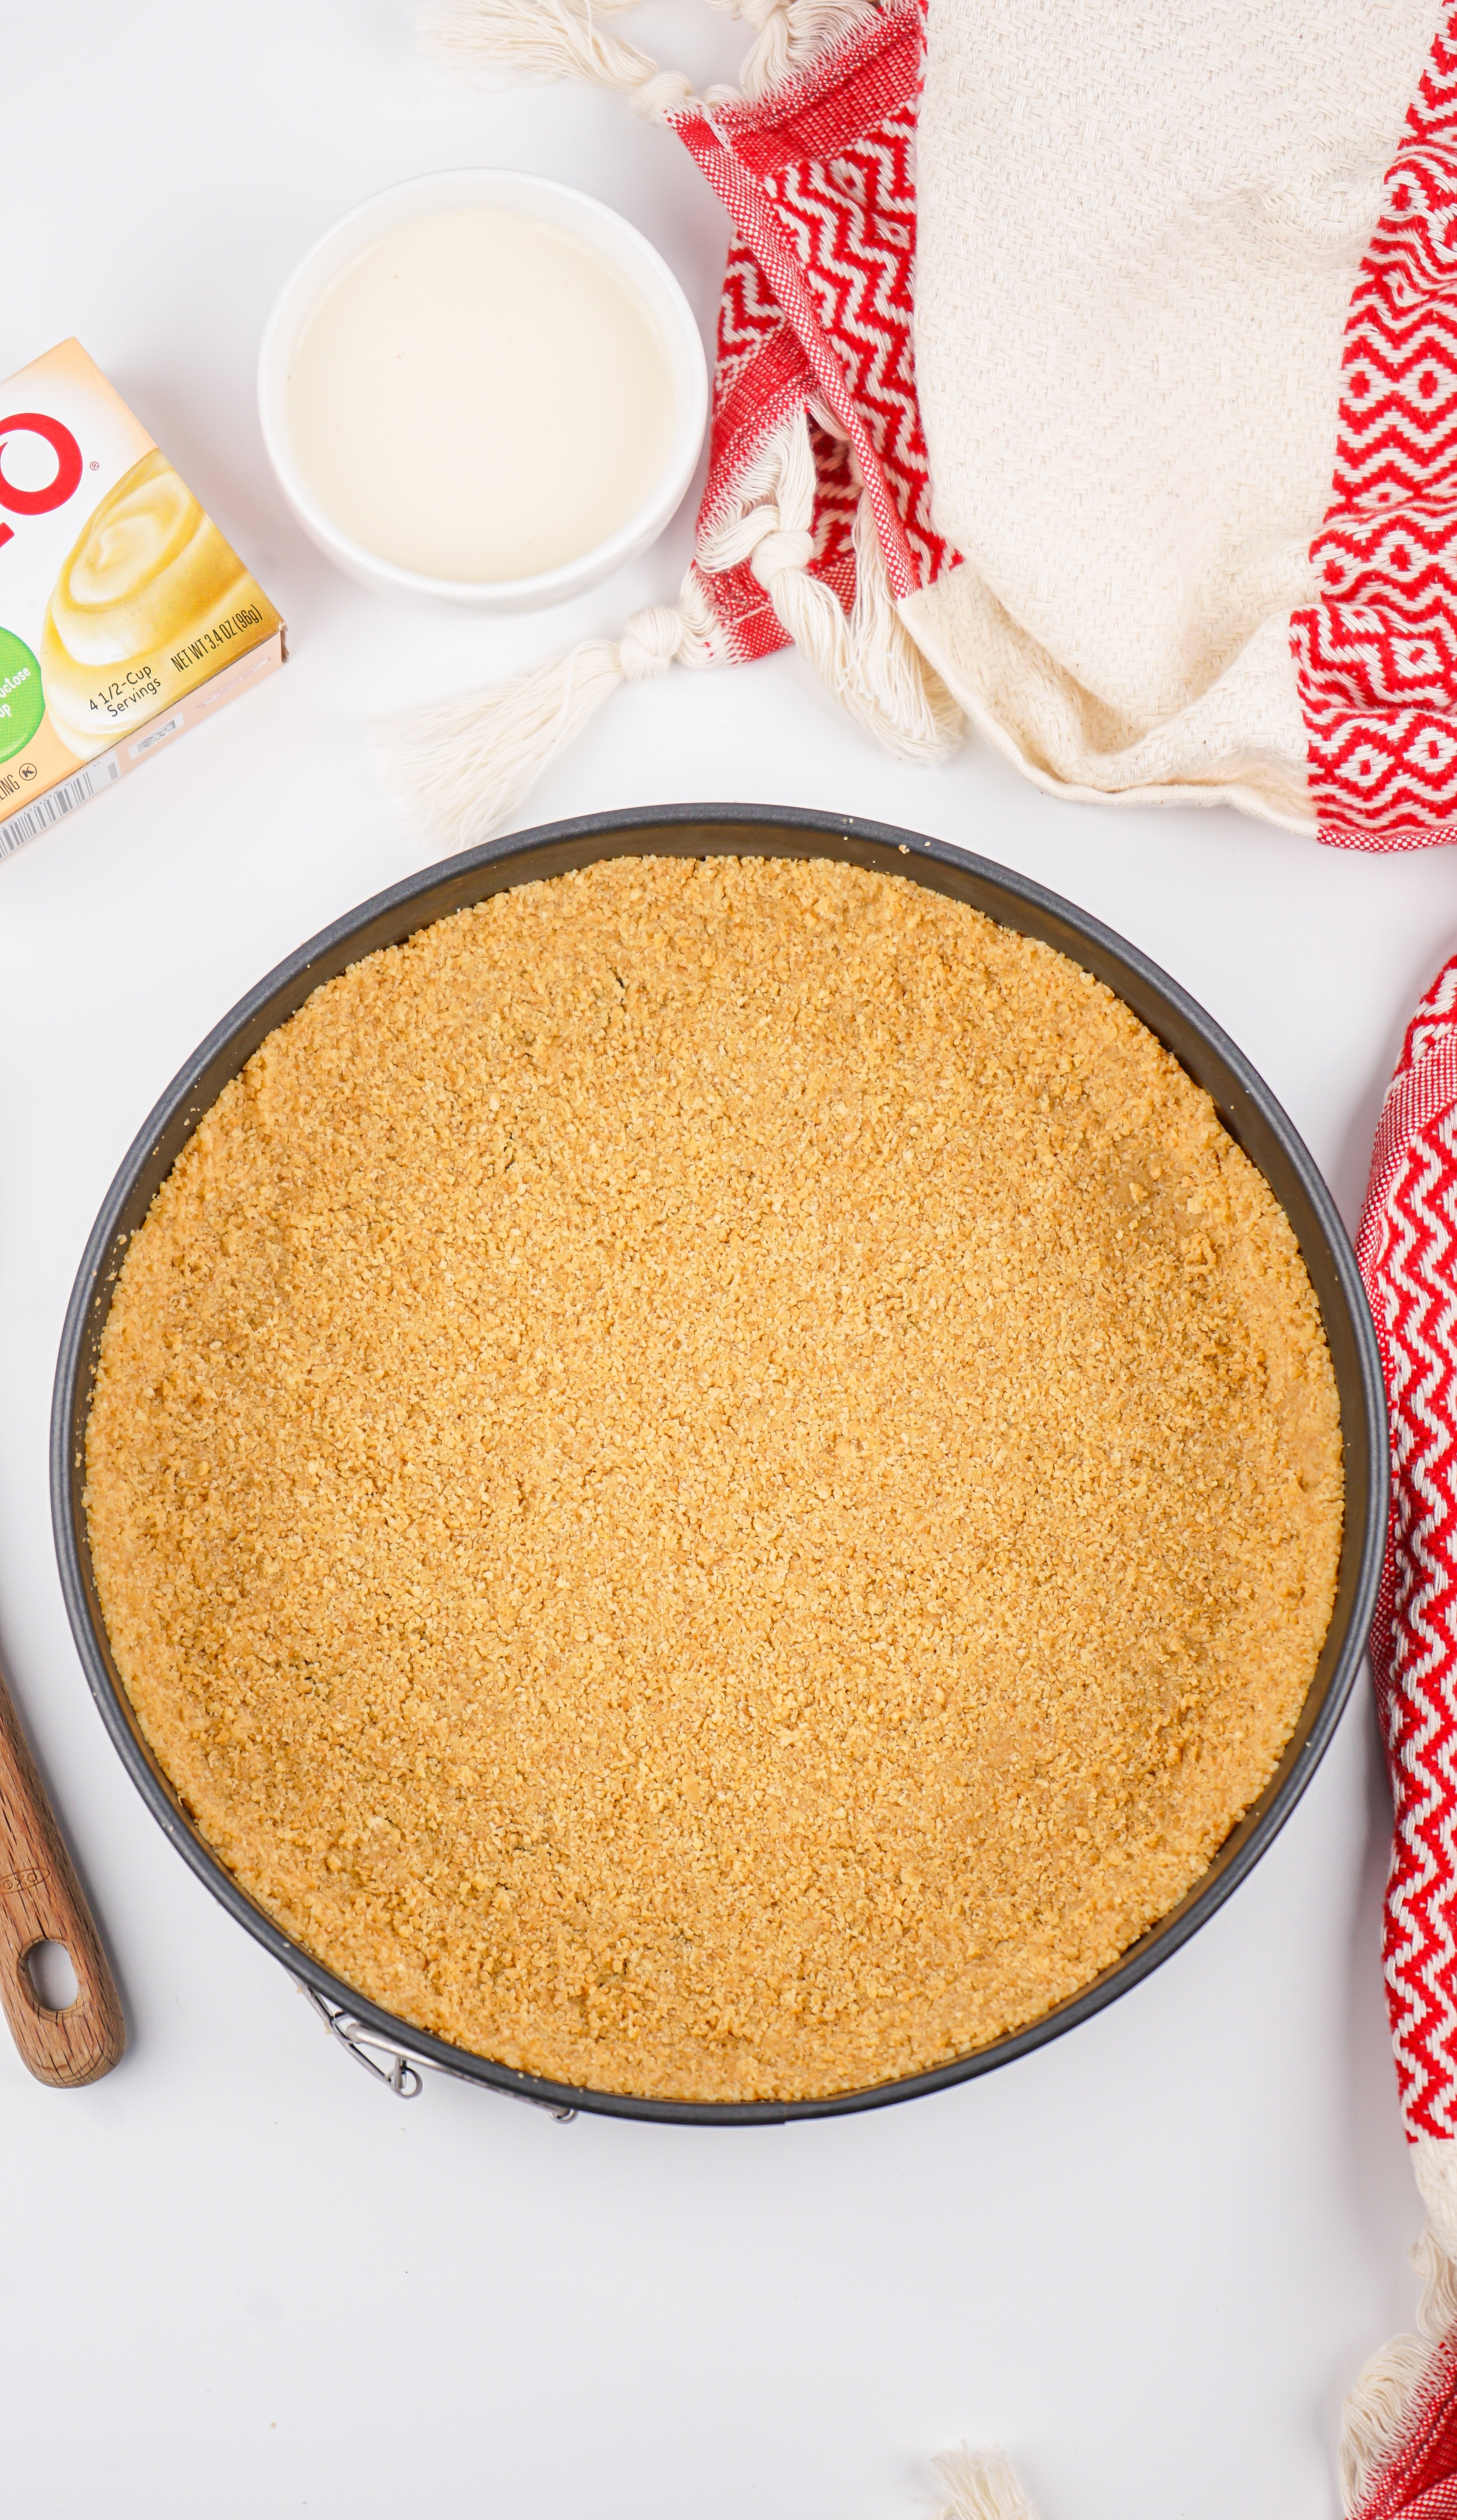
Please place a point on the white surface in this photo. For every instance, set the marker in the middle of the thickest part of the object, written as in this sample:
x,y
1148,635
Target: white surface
x,y
235,2278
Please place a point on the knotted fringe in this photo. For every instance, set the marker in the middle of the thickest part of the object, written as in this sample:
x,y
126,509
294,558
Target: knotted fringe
x,y
982,2485
550,39
868,663
464,765
1378,2408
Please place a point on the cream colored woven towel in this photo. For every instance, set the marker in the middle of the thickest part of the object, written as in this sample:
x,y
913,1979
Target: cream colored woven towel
x,y
1140,234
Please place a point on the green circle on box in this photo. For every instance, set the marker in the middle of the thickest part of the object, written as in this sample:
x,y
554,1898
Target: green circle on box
x,y
23,703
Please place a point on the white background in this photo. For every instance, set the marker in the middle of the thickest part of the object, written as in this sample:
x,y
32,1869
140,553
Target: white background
x,y
236,2281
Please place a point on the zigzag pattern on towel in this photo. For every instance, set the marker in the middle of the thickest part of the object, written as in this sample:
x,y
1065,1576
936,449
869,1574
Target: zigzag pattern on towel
x,y
748,316
1376,655
853,221
831,238
1407,1249
750,322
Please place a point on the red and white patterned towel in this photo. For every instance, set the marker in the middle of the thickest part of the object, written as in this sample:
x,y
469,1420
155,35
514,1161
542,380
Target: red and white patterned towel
x,y
1402,2422
1376,653
819,182
1407,1249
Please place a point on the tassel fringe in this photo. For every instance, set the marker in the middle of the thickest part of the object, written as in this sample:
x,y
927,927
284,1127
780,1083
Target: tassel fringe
x,y
464,765
983,2485
550,39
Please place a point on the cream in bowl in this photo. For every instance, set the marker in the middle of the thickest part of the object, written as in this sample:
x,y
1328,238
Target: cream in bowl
x,y
484,387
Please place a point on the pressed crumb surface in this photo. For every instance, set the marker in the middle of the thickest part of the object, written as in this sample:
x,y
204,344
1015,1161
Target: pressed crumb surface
x,y
714,1479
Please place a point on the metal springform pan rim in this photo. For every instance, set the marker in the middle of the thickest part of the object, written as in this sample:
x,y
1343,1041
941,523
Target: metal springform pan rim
x,y
1248,1109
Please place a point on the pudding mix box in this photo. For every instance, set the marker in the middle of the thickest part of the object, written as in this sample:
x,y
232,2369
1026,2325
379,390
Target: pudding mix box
x,y
124,616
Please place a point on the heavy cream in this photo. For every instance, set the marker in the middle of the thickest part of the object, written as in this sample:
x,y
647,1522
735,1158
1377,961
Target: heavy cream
x,y
480,396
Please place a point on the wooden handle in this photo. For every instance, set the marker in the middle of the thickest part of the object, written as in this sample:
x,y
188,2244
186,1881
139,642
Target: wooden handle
x,y
41,1901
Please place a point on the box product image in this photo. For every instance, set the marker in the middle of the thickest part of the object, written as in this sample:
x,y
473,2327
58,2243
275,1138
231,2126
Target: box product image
x,y
126,616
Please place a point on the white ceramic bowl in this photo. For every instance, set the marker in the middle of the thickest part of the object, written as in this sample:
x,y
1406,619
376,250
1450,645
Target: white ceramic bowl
x,y
641,266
